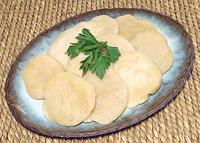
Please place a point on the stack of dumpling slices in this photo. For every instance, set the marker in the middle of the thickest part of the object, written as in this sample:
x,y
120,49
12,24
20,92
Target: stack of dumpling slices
x,y
70,99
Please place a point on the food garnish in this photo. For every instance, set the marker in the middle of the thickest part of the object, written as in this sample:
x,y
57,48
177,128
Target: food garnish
x,y
99,55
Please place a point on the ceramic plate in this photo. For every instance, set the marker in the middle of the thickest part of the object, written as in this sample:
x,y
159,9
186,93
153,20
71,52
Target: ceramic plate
x,y
28,111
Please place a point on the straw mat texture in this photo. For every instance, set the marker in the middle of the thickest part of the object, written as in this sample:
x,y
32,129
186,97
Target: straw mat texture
x,y
21,20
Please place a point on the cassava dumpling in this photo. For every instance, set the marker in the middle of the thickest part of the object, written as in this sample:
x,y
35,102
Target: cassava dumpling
x,y
111,97
97,26
104,24
37,72
111,87
154,45
140,75
118,41
74,64
69,99
113,40
130,25
60,45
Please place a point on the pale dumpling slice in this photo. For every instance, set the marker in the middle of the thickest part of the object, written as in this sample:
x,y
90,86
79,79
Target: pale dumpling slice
x,y
104,24
114,40
155,46
111,97
140,75
98,25
74,64
62,42
118,41
130,25
69,99
37,73
111,87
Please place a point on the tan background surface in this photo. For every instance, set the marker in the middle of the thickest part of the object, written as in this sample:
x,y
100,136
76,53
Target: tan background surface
x,y
21,20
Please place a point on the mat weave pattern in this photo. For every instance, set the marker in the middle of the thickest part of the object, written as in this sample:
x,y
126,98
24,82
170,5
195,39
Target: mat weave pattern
x,y
21,20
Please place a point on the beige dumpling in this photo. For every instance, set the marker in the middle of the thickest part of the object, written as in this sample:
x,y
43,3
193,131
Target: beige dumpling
x,y
62,42
113,40
37,73
104,24
74,64
111,91
69,99
130,25
111,97
98,25
154,45
118,41
141,76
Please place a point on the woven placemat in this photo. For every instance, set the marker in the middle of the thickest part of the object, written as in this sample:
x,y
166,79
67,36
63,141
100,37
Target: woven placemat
x,y
21,20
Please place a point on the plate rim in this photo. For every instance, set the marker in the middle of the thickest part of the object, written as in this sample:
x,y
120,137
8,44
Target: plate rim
x,y
171,95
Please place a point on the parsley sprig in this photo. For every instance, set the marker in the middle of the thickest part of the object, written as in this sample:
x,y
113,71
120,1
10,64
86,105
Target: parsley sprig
x,y
99,54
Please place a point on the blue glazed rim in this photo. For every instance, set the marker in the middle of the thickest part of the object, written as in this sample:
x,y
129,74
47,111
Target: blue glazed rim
x,y
18,115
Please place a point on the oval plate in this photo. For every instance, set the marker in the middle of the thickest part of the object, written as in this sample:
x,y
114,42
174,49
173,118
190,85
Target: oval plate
x,y
28,111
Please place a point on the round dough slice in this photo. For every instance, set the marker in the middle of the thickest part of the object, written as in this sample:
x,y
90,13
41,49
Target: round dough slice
x,y
154,45
69,99
141,76
118,41
104,24
62,42
114,40
98,25
130,25
111,97
37,72
74,64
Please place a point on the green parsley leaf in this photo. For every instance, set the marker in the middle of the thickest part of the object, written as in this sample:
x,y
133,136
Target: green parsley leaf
x,y
101,66
113,54
99,54
74,49
86,64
